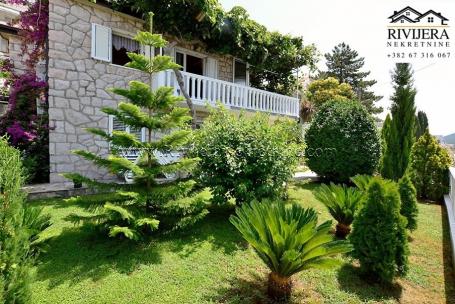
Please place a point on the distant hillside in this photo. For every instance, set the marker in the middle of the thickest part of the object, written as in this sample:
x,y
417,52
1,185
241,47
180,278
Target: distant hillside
x,y
450,139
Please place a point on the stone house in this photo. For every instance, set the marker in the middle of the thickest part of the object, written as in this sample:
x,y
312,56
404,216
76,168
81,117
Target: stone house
x,y
87,50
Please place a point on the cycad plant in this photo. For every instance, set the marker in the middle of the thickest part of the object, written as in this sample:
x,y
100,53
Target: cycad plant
x,y
342,203
141,206
288,240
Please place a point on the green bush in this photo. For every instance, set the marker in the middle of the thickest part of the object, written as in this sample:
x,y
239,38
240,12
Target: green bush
x,y
342,203
342,141
288,240
244,157
15,261
379,233
408,195
429,168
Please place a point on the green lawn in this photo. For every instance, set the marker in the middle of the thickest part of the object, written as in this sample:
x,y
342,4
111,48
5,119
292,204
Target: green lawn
x,y
212,264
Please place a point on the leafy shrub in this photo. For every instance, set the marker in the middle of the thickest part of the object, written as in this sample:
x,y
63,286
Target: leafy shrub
x,y
244,157
287,239
408,196
15,261
379,233
342,141
342,203
429,167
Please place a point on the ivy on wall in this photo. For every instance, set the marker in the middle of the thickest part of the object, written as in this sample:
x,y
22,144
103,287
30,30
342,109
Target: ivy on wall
x,y
273,57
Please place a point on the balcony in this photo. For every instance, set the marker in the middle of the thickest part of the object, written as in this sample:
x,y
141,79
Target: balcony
x,y
203,90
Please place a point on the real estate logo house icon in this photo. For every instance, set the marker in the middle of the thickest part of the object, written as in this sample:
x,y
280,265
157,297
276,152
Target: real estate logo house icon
x,y
408,15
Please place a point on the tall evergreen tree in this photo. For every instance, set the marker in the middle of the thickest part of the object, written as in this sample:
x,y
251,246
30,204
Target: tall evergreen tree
x,y
15,260
140,207
421,124
345,64
384,134
401,136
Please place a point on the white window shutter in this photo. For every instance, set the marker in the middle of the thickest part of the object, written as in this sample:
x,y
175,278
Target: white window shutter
x,y
115,124
101,42
211,67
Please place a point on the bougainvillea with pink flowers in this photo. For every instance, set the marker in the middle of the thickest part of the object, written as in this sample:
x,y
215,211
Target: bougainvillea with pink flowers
x,y
26,121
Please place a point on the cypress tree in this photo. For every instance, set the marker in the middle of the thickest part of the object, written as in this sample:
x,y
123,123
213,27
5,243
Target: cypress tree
x,y
421,124
401,136
15,260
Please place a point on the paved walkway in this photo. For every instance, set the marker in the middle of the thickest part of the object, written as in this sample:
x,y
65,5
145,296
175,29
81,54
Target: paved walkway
x,y
307,175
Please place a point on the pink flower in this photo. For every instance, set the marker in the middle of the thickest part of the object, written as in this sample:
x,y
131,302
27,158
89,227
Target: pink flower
x,y
18,134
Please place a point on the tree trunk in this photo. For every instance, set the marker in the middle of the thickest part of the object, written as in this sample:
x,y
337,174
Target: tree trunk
x,y
189,102
279,288
179,77
342,230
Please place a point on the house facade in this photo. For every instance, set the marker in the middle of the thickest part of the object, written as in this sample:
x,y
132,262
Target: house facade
x,y
87,50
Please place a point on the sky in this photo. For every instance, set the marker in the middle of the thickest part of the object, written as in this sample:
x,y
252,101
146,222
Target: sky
x,y
363,25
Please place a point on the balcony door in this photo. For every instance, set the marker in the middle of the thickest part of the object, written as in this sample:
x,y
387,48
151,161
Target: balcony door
x,y
191,64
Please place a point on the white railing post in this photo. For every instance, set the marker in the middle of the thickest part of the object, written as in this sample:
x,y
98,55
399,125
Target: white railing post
x,y
203,89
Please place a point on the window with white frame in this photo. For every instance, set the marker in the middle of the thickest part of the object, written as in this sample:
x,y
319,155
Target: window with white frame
x,y
190,63
112,46
241,72
4,45
121,46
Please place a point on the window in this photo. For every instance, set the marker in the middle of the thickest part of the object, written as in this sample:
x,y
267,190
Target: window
x,y
408,13
121,46
240,72
402,21
4,45
430,19
190,63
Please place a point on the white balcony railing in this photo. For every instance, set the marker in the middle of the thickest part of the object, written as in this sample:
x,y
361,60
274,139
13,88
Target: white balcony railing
x,y
204,90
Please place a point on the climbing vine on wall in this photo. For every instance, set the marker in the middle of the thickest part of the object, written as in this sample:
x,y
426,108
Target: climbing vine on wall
x,y
26,119
273,57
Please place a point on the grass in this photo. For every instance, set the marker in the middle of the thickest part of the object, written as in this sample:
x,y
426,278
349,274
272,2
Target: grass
x,y
212,264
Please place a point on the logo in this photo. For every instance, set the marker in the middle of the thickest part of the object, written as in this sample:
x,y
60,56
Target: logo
x,y
412,34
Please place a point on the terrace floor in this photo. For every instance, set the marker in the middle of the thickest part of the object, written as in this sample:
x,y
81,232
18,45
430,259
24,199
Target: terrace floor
x,y
212,264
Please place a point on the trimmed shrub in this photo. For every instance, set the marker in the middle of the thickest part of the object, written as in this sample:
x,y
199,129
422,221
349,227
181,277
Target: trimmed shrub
x,y
379,233
245,158
342,141
15,261
408,195
429,167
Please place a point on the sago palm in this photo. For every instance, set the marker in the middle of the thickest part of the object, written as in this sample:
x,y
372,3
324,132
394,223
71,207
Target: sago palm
x,y
342,202
288,240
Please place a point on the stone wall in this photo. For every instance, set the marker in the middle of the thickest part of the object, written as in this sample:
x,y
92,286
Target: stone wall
x,y
78,83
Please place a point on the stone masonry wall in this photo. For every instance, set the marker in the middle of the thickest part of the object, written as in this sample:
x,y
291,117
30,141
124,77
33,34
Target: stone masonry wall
x,y
78,83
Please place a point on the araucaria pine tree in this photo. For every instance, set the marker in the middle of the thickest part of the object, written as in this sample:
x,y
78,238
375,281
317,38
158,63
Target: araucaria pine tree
x,y
401,136
145,204
345,64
